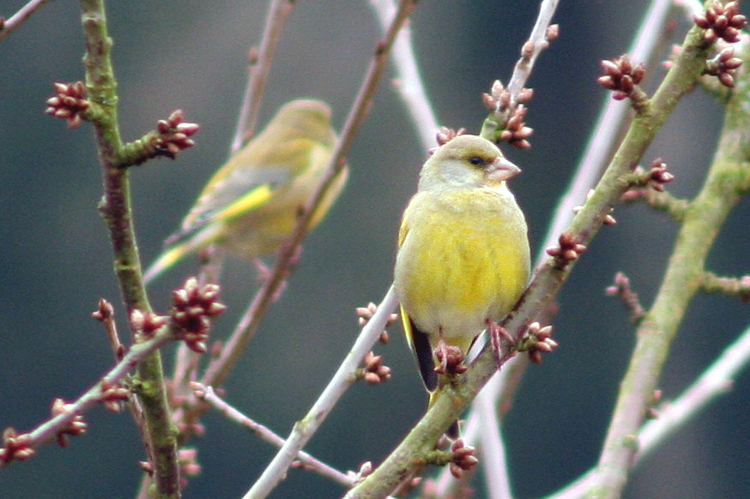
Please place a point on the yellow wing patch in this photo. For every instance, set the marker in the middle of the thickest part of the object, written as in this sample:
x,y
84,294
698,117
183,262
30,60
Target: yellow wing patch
x,y
250,201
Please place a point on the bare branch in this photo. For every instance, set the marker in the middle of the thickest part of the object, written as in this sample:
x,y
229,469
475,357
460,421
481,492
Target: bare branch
x,y
117,212
207,394
713,383
49,430
307,426
8,26
408,81
538,41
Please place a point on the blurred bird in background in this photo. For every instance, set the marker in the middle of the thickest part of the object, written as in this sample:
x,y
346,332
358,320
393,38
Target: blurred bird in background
x,y
251,204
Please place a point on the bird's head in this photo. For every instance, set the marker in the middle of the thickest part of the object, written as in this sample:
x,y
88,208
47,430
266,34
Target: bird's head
x,y
467,161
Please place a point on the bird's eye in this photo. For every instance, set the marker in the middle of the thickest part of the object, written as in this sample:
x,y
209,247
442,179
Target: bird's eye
x,y
476,161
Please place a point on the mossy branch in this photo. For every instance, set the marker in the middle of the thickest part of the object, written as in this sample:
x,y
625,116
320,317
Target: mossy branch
x,y
116,210
727,180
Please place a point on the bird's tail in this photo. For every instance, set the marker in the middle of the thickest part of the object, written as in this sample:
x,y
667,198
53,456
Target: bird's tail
x,y
188,242
419,342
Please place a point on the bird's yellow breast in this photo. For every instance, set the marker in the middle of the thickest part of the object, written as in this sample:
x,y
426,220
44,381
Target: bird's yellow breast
x,y
463,259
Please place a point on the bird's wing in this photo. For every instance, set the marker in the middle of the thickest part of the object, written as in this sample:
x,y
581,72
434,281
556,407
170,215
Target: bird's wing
x,y
418,340
234,195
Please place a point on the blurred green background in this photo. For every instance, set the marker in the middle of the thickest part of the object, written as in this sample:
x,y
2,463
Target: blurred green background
x,y
55,259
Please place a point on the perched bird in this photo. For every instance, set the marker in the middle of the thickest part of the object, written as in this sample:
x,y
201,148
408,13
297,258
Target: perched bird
x,y
251,204
463,253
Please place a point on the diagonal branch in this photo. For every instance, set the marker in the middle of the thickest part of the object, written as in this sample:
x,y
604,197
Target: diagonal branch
x,y
208,395
97,394
714,382
341,381
8,26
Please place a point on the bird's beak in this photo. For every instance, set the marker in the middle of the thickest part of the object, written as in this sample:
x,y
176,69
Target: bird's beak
x,y
501,169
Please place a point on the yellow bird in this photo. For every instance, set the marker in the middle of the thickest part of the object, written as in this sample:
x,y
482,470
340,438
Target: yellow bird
x,y
251,204
463,252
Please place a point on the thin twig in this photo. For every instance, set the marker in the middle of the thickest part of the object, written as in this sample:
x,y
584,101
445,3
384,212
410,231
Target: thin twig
x,y
207,394
48,431
538,37
493,450
341,381
505,121
408,81
16,20
260,67
715,381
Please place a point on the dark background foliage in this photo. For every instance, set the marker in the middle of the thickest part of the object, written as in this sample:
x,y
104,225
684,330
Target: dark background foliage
x,y
55,259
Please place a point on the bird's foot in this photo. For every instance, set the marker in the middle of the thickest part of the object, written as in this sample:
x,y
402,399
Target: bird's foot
x,y
501,340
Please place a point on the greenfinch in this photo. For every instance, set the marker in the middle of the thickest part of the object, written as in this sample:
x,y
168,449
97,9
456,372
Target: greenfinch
x,y
463,253
251,204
